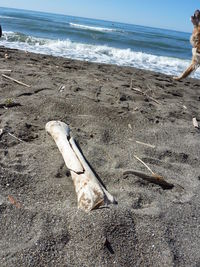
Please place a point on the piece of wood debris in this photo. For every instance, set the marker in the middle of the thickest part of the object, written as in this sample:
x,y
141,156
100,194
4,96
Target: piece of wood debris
x,y
1,132
153,99
6,56
16,81
129,126
9,104
143,93
144,164
154,178
91,193
131,83
15,137
4,70
61,88
14,202
145,144
195,123
137,90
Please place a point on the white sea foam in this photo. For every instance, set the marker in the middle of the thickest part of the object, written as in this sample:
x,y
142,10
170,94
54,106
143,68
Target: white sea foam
x,y
91,28
97,53
7,17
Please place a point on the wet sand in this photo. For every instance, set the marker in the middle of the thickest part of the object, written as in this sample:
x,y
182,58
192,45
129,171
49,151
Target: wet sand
x,y
40,224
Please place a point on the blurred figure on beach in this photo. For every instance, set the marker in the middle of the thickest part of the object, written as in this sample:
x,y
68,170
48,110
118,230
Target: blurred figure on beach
x,y
0,31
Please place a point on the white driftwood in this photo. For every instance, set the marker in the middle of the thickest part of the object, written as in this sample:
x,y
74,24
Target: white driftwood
x,y
195,123
16,81
1,132
90,192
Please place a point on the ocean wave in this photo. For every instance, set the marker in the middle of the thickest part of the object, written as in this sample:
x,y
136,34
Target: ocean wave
x,y
92,28
7,17
20,38
97,53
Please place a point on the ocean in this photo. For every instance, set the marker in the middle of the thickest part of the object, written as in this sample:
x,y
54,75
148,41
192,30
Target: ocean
x,y
160,50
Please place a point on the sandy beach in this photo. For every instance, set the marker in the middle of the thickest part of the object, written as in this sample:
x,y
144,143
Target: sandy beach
x,y
114,114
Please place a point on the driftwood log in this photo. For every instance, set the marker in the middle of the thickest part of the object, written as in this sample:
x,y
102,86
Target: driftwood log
x,y
90,191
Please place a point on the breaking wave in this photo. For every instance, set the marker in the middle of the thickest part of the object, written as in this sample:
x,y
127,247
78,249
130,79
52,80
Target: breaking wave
x,y
92,28
96,53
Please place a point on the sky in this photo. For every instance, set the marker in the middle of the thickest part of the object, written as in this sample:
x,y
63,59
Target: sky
x,y
167,14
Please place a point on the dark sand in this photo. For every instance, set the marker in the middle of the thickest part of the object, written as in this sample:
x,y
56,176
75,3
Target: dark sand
x,y
40,224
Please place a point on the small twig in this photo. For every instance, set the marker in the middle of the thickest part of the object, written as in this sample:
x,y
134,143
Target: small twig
x,y
85,115
61,88
154,178
16,81
15,137
153,99
4,70
9,105
144,164
137,90
1,132
145,144
195,123
14,202
143,93
131,83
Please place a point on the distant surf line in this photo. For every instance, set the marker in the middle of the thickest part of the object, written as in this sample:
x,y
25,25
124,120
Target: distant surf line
x,y
92,28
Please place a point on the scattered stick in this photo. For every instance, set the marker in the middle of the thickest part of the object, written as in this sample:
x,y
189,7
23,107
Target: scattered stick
x,y
1,132
14,202
145,144
137,90
154,178
144,164
143,93
3,70
153,99
195,123
131,84
9,105
85,115
16,81
6,56
61,88
129,126
15,137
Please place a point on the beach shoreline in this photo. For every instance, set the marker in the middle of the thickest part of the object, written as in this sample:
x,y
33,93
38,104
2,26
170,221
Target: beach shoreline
x,y
114,114
97,41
